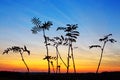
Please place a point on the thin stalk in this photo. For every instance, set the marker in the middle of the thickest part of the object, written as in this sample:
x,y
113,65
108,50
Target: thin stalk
x,y
68,58
53,67
24,62
47,50
101,57
73,58
57,60
60,57
59,68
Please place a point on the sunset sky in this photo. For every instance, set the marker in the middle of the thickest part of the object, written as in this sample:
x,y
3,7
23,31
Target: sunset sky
x,y
95,18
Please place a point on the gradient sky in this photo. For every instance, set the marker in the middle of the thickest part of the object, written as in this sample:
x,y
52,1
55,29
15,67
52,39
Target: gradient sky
x,y
95,19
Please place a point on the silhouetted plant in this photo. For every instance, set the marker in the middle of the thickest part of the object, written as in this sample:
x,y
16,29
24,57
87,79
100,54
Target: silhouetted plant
x,y
50,59
104,40
42,26
56,42
21,51
58,68
52,66
72,34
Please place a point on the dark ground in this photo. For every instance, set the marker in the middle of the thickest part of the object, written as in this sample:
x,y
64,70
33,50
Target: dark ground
x,y
63,76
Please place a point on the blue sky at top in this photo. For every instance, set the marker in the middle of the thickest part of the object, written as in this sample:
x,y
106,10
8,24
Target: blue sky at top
x,y
93,16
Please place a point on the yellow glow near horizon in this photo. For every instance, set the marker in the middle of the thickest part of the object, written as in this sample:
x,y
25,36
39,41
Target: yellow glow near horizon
x,y
85,60
13,62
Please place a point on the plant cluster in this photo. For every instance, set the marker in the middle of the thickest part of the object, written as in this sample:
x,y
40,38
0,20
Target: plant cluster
x,y
70,37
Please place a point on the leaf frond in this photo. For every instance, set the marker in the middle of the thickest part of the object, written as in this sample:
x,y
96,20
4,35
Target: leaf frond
x,y
36,21
96,46
61,28
112,40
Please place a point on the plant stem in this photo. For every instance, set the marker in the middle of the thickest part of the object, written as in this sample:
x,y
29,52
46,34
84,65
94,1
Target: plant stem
x,y
53,67
57,60
24,62
68,58
73,58
61,57
47,50
101,57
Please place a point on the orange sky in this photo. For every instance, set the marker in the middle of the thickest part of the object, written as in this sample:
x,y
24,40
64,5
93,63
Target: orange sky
x,y
13,62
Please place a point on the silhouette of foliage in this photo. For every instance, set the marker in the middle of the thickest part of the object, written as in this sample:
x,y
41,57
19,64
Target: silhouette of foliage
x,y
39,26
56,41
105,39
71,34
20,50
112,40
94,46
52,66
49,57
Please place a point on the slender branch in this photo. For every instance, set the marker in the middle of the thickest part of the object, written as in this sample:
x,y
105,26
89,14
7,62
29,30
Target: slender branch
x,y
61,57
101,57
57,60
52,66
24,62
73,58
68,58
47,51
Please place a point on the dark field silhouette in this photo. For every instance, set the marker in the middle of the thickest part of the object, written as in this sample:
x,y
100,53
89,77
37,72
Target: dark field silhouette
x,y
62,76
